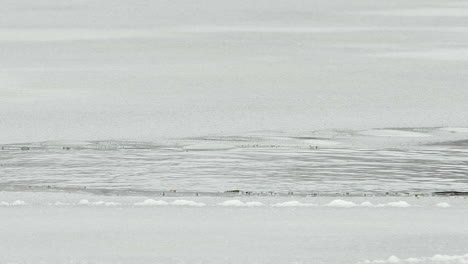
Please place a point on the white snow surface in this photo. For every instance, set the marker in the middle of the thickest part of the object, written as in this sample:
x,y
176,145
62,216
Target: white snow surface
x,y
438,258
204,229
293,204
443,205
150,202
187,203
238,203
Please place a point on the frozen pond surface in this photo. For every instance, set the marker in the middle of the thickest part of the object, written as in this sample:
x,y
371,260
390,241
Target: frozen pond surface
x,y
93,70
62,228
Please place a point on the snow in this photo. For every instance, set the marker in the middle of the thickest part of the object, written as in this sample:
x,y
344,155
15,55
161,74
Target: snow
x,y
293,204
443,205
341,203
440,11
367,204
302,227
228,230
238,203
83,202
452,54
439,258
14,203
187,203
111,204
18,202
401,204
393,259
253,204
151,202
58,203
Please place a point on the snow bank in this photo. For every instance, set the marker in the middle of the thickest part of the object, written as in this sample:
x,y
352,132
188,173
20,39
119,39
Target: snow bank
x,y
237,203
111,204
15,203
86,202
453,259
187,203
341,203
443,205
369,204
253,204
60,204
401,204
83,202
450,258
393,259
293,204
150,202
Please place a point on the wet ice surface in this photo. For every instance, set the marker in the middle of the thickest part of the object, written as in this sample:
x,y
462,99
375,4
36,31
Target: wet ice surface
x,y
413,160
86,230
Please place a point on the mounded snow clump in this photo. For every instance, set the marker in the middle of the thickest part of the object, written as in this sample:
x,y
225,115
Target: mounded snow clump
x,y
86,202
401,204
369,204
393,259
15,203
151,202
292,204
58,203
341,203
452,259
18,202
443,205
237,203
187,203
111,204
83,202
